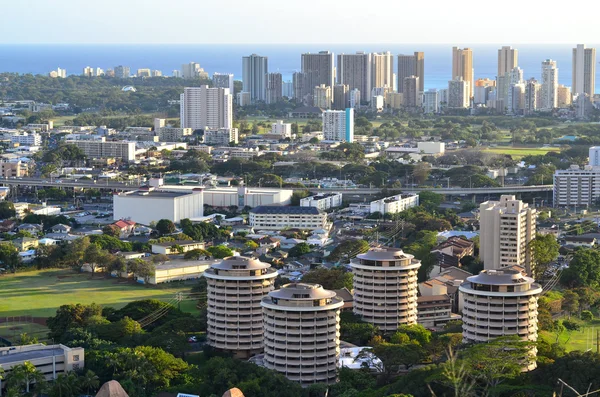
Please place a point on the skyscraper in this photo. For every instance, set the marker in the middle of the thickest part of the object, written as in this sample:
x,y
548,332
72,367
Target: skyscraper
x,y
564,97
319,68
274,88
515,84
382,70
122,72
508,59
354,70
301,88
410,96
411,65
430,101
322,97
203,107
338,125
254,76
221,80
191,70
549,85
458,94
340,97
462,66
533,96
584,70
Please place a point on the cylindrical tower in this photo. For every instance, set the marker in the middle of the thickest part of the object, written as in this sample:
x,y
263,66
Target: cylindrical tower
x,y
385,288
235,289
302,333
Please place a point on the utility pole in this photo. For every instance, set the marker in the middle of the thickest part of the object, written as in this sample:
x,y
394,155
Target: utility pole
x,y
179,297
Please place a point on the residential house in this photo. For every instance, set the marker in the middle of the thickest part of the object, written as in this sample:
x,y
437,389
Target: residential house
x,y
167,248
450,252
7,225
25,243
126,227
434,310
348,298
30,228
60,228
445,283
580,241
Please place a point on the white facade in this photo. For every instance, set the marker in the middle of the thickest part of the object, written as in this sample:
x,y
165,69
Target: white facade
x,y
338,125
458,94
394,204
577,187
102,149
151,206
173,134
254,77
506,228
549,85
594,156
50,360
430,101
203,107
431,147
26,139
251,197
221,136
281,128
584,70
322,201
354,96
281,218
178,271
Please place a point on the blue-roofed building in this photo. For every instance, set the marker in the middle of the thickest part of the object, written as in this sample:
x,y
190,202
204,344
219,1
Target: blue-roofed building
x,y
280,218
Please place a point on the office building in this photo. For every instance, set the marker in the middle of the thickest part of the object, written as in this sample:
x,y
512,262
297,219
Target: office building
x,y
50,360
281,128
223,80
318,69
410,92
149,205
341,98
498,303
280,218
508,59
506,229
458,94
354,99
382,70
122,72
354,70
584,70
193,70
101,149
274,88
533,96
26,139
394,204
549,99
13,169
176,73
564,98
254,76
302,333
235,288
385,288
430,101
221,136
442,99
338,125
159,123
411,65
322,97
323,201
462,67
583,107
173,134
203,107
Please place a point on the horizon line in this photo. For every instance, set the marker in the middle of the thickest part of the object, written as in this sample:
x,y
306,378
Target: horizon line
x,y
299,44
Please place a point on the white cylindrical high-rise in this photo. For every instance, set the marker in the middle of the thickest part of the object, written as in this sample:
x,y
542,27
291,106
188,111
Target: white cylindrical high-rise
x,y
236,287
385,288
302,333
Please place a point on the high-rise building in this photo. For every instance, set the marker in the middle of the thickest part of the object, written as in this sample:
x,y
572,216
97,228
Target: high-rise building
x,y
193,70
354,70
499,303
442,99
88,71
564,97
203,107
254,75
594,156
382,70
577,187
583,106
411,65
508,59
338,125
302,91
235,288
515,90
584,70
302,333
287,89
354,98
385,288
340,97
458,94
243,98
462,66
122,72
144,72
318,68
221,136
533,96
549,85
506,229
322,97
483,87
430,101
274,90
157,73
176,73
410,92
223,80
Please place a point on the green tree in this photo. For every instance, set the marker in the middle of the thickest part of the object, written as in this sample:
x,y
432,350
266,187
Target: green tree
x,y
583,270
70,316
7,210
26,339
430,201
89,381
587,315
165,226
335,278
570,302
348,250
23,376
299,250
9,256
65,385
112,230
196,254
544,250
251,244
220,251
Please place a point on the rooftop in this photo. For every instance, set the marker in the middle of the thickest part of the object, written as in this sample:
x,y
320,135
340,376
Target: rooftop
x,y
264,209
30,355
500,277
384,254
178,242
302,291
240,263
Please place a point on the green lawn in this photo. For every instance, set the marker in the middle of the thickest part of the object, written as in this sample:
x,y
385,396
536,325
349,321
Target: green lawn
x,y
519,152
13,330
40,293
582,340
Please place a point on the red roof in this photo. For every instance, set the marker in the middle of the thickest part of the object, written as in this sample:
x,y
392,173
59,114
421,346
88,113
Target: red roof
x,y
122,224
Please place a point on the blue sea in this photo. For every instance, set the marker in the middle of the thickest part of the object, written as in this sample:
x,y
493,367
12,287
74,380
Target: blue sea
x,y
227,58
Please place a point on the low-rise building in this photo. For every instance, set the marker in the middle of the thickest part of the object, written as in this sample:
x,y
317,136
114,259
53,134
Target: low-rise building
x,y
50,360
395,204
282,129
450,252
178,270
173,134
221,136
13,169
246,197
26,139
576,186
102,149
323,201
280,218
170,247
434,310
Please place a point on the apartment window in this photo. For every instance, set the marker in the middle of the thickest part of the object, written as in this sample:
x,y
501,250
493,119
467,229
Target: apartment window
x,y
76,357
75,367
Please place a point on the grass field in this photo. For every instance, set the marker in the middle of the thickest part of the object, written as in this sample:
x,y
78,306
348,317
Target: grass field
x,y
582,340
519,152
13,330
40,293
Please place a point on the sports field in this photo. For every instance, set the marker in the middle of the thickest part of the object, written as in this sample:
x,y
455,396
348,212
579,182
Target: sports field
x,y
519,152
583,339
40,293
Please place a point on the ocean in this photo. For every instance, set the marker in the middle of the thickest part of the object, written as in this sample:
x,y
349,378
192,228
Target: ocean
x,y
227,58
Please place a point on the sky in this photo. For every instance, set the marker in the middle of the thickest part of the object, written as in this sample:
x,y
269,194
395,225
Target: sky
x,y
295,21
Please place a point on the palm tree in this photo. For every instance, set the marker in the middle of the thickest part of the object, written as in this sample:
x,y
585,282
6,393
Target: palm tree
x,y
66,385
12,392
89,381
24,375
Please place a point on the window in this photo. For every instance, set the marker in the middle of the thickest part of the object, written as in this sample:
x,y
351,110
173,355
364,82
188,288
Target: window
x,y
75,367
76,357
